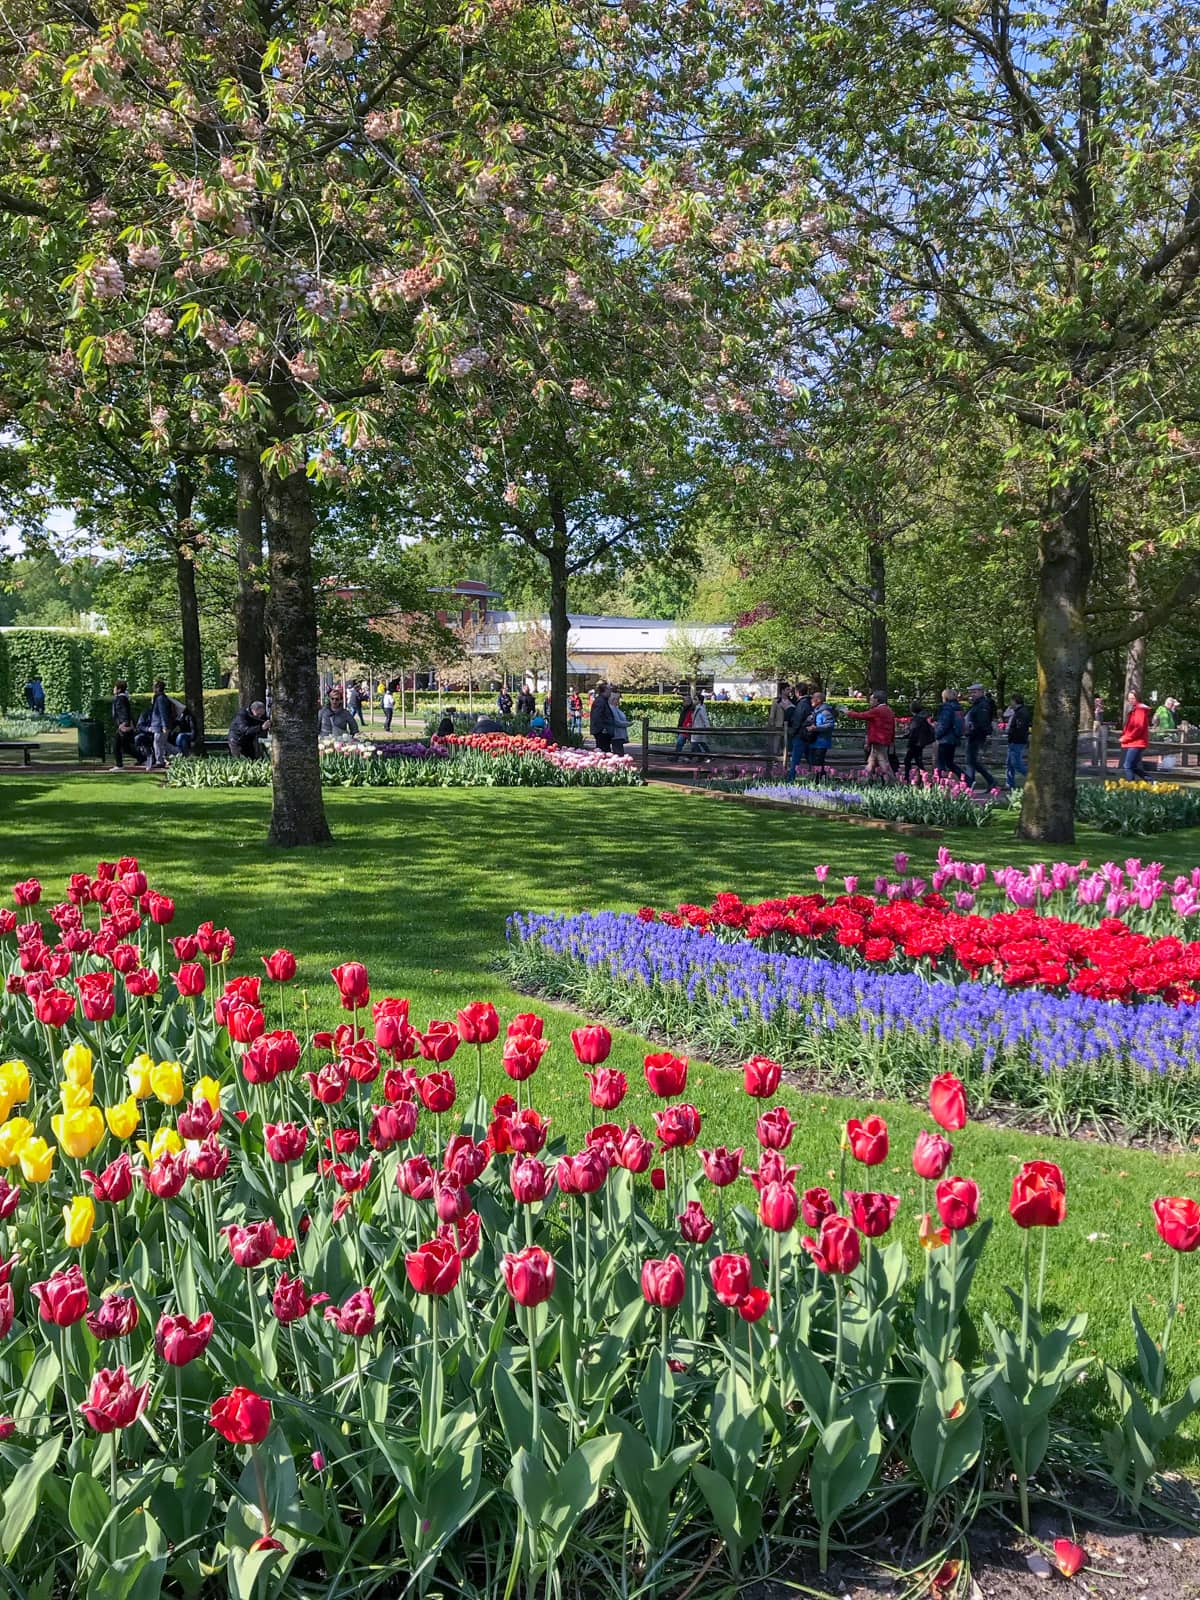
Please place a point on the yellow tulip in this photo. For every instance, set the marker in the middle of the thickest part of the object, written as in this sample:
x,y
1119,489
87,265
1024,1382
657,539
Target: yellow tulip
x,y
208,1089
78,1132
15,1133
122,1118
76,1096
139,1076
14,1080
79,1218
7,1101
164,1139
166,1080
77,1064
37,1160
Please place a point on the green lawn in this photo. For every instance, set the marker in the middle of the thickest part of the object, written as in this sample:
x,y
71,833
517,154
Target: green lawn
x,y
418,886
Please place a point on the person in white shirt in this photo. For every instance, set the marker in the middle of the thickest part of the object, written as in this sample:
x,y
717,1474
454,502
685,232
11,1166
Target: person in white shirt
x,y
388,702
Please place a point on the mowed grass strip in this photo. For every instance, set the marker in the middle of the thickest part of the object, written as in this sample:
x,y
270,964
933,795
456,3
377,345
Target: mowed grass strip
x,y
418,885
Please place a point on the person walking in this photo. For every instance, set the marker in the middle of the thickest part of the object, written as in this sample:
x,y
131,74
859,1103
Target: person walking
x,y
122,720
504,703
1135,736
388,701
683,725
700,721
620,733
600,722
881,735
1020,722
948,732
777,717
574,712
35,694
979,730
920,737
824,719
162,720
797,721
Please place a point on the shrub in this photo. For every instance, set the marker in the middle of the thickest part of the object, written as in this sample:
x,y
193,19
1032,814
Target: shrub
x,y
220,707
1118,806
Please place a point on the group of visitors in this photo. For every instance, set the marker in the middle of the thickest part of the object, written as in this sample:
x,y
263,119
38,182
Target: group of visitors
x,y
165,726
607,721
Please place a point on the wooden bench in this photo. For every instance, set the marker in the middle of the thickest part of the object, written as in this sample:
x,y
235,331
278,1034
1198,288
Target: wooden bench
x,y
22,745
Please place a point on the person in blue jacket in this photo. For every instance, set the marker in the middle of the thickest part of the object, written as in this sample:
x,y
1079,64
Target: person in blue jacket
x,y
948,732
822,722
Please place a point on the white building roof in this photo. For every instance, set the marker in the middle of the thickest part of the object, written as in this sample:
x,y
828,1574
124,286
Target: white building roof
x,y
625,635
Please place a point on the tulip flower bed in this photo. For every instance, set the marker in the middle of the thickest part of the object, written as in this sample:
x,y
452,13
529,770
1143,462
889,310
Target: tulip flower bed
x,y
298,1312
450,764
1068,1056
1118,806
932,799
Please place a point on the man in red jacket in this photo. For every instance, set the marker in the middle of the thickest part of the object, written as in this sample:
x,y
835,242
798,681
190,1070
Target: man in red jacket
x,y
1135,736
881,734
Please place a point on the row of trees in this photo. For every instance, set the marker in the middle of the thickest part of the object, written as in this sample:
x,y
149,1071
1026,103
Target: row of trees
x,y
884,299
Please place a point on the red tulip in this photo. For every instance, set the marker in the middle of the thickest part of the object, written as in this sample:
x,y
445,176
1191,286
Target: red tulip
x,y
868,1140
527,1131
179,1340
342,1141
948,1102
96,995
142,981
478,1023
529,1275
695,1226
957,1202
931,1155
241,1416
434,1267
191,979
753,1304
113,1402
186,946
54,1007
27,893
666,1074
269,1055
393,1032
134,883
199,1120
467,1235
774,1128
634,1151
8,921
872,1214
439,1041
353,986
414,1177
677,1126
1069,1557
392,1124
592,1046
664,1282
355,1316
526,1022
7,1309
815,1206
285,1141
730,1275
62,1297
115,1183
245,1022
115,1317
839,1250
581,1174
280,965
330,1083
251,1245
437,1091
529,1180
608,1087
210,1161
451,1197
1039,1195
522,1055
125,959
362,1061
760,1077
165,1176
7,1428
465,1157
1178,1223
658,1179
10,1199
721,1166
290,1300
778,1207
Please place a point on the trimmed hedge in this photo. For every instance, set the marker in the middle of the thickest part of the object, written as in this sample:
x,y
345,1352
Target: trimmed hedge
x,y
80,668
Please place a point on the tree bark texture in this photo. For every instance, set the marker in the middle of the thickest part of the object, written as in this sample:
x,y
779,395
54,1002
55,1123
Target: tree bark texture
x,y
560,621
877,650
1062,650
250,606
189,610
298,808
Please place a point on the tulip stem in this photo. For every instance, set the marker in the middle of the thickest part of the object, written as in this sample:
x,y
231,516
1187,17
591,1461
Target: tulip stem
x,y
1025,1302
531,1330
1172,1311
662,1441
178,1411
952,1316
301,1371
112,1483
254,1317
64,1364
587,1264
1042,1275
777,1305
837,1355
478,1073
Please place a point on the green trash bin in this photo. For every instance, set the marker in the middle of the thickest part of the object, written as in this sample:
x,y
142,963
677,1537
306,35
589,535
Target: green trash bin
x,y
91,739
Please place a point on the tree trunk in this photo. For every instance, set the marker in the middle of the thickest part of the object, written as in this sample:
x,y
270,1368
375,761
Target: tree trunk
x,y
298,809
560,622
1087,696
1061,642
1135,668
189,611
250,606
877,649
1001,686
